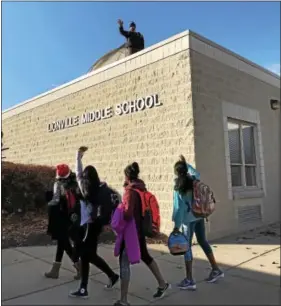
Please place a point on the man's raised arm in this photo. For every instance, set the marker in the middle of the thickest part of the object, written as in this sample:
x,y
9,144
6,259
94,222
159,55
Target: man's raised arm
x,y
121,29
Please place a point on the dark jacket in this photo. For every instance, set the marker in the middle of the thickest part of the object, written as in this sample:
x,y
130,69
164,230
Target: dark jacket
x,y
132,201
58,212
135,40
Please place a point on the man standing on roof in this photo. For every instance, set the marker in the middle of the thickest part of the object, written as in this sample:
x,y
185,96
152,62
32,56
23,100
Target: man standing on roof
x,y
135,40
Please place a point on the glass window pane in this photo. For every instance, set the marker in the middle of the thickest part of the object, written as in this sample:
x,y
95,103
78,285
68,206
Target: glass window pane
x,y
234,143
249,144
236,175
250,173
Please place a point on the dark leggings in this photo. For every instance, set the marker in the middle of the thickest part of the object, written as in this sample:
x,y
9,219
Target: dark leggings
x,y
64,245
89,254
145,256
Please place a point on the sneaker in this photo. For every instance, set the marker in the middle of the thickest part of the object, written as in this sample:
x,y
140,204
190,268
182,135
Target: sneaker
x,y
80,293
112,282
187,284
214,276
161,291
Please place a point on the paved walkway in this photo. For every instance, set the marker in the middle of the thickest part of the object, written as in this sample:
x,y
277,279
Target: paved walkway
x,y
251,265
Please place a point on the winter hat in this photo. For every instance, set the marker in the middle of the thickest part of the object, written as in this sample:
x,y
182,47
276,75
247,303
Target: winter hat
x,y
132,25
62,171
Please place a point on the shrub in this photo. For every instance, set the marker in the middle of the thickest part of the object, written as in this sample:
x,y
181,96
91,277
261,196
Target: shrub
x,y
24,186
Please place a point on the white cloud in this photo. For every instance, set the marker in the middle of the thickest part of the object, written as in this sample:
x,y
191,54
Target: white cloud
x,y
275,68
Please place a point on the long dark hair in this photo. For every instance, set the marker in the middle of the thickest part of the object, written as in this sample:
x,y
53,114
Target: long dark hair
x,y
90,184
132,171
183,181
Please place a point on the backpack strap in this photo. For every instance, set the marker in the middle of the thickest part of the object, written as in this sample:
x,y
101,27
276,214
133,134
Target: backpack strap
x,y
141,194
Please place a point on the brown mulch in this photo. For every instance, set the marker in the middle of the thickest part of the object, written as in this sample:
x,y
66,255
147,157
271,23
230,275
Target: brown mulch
x,y
30,230
26,230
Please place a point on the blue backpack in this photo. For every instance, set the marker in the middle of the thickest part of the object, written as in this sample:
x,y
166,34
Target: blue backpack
x,y
177,244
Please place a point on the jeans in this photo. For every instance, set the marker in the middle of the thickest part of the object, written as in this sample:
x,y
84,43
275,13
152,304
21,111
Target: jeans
x,y
197,227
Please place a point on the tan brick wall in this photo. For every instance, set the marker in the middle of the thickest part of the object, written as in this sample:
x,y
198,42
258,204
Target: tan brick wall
x,y
212,84
192,111
154,137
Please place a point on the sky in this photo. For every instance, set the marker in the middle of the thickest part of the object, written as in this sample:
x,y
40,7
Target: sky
x,y
47,44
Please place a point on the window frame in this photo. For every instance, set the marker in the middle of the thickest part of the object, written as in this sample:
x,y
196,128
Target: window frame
x,y
246,114
243,165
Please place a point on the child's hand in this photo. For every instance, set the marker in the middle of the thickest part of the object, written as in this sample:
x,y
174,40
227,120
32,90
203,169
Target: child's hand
x,y
82,150
176,230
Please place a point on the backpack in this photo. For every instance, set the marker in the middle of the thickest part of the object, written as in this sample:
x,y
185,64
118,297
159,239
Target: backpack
x,y
150,213
136,41
115,198
177,244
203,204
108,200
141,41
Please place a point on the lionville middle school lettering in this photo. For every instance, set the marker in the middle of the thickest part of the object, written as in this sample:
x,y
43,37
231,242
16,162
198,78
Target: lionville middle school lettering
x,y
124,108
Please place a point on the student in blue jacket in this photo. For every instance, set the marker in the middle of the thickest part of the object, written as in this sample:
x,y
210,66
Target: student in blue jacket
x,y
188,224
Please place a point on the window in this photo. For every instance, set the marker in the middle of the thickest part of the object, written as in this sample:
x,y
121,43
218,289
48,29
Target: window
x,y
242,153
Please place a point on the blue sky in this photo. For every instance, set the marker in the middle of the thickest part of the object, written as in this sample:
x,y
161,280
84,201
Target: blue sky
x,y
46,44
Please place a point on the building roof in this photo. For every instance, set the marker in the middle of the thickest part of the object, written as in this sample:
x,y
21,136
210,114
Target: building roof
x,y
107,68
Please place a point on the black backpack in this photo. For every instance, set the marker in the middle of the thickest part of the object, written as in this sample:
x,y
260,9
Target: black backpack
x,y
108,199
136,41
141,41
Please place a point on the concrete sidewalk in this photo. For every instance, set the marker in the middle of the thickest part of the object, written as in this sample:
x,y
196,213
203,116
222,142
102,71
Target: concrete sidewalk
x,y
251,265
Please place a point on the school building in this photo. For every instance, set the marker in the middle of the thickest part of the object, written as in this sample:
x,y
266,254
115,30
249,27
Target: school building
x,y
185,95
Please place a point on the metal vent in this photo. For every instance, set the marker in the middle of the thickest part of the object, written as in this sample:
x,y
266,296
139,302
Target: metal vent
x,y
249,214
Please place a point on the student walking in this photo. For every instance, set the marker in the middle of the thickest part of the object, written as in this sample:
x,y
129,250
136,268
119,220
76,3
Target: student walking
x,y
59,221
97,204
188,224
133,210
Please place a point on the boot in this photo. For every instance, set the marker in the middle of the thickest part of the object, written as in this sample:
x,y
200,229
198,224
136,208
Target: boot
x,y
77,266
54,273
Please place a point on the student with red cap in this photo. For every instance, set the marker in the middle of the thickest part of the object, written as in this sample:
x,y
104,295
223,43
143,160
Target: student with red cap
x,y
59,219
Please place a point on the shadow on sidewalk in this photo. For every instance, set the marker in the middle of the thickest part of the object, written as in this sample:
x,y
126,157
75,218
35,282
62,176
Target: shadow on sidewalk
x,y
250,279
